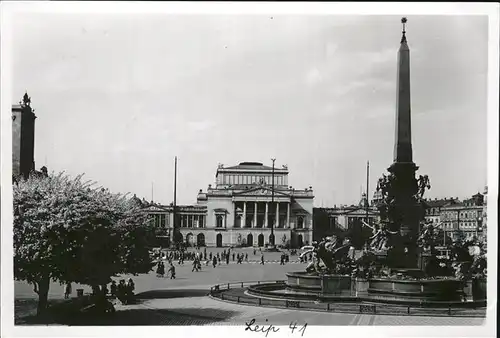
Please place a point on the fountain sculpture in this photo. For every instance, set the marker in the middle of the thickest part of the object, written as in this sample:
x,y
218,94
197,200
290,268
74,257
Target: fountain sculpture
x,y
391,269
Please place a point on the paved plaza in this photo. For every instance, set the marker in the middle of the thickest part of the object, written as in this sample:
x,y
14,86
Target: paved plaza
x,y
207,277
207,311
184,301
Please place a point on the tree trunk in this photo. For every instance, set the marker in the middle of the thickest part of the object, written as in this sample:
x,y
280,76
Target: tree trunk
x,y
43,295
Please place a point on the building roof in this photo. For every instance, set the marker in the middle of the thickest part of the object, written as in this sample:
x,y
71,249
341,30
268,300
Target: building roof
x,y
251,166
347,210
437,203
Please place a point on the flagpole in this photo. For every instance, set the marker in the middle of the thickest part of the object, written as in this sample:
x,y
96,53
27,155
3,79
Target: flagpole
x,y
367,189
272,241
174,211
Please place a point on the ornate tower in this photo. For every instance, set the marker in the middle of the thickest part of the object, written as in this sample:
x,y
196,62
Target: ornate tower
x,y
23,138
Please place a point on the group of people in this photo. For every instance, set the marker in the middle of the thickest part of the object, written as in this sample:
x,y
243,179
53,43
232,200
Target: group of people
x,y
199,257
208,257
160,270
284,258
123,292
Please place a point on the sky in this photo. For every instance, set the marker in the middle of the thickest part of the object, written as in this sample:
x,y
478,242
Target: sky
x,y
118,96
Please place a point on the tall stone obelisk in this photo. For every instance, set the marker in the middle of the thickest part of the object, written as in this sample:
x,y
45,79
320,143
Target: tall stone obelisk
x,y
402,144
404,210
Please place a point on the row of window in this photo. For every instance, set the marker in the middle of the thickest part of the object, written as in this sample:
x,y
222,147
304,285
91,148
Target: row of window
x,y
251,179
198,221
192,221
432,211
186,221
462,225
220,222
464,215
160,220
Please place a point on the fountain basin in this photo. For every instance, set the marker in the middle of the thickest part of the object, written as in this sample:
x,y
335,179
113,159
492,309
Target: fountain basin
x,y
304,281
434,290
336,285
314,284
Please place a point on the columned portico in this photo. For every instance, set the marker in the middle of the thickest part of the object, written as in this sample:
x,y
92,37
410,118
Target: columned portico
x,y
242,206
254,225
244,223
277,216
266,218
288,215
235,217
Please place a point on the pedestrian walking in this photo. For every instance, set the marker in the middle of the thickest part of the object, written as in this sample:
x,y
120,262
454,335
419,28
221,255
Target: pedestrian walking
x,y
246,257
227,259
195,266
262,259
214,262
233,256
160,270
171,271
254,251
67,290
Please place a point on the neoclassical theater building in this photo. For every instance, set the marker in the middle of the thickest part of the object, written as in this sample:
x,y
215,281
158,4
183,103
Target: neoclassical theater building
x,y
239,209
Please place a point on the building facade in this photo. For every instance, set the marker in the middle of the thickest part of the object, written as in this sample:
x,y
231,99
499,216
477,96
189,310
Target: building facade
x,y
485,214
465,217
329,220
434,206
241,208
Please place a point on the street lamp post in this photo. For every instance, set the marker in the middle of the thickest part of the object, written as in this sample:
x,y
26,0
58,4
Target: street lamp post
x,y
271,238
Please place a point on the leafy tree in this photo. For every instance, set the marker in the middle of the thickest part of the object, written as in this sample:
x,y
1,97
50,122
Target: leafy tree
x,y
68,230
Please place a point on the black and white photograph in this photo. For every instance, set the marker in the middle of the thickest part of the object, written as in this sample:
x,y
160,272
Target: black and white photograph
x,y
285,169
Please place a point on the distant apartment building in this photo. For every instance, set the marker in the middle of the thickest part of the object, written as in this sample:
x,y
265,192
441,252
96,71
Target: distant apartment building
x,y
485,214
464,217
434,206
